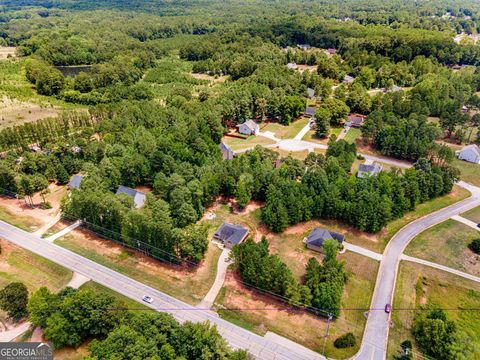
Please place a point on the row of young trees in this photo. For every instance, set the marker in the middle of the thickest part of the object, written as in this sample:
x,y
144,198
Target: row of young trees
x,y
71,317
323,288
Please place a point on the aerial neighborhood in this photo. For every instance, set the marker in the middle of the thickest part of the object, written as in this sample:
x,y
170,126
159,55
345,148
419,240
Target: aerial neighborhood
x,y
240,180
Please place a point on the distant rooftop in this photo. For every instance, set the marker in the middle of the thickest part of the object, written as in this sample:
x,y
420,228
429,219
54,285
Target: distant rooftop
x,y
137,196
75,182
229,233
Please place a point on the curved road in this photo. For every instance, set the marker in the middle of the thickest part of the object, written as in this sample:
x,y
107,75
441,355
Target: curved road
x,y
374,344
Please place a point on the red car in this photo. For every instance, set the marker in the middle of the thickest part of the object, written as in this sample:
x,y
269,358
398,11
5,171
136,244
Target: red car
x,y
388,308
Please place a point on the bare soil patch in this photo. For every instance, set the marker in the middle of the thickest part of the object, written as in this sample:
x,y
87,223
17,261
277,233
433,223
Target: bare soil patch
x,y
7,52
15,112
309,68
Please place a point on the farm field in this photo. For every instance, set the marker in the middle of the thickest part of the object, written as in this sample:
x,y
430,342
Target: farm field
x,y
419,286
447,244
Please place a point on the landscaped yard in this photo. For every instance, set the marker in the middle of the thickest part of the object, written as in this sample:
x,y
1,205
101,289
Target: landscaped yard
x,y
310,135
419,285
473,215
251,141
469,172
446,244
300,155
352,135
189,285
17,264
287,132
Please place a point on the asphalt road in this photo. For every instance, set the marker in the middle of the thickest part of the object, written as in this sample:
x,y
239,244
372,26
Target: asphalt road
x,y
374,343
237,337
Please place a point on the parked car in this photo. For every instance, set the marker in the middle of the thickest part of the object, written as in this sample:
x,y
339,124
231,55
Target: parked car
x,y
478,225
147,299
388,308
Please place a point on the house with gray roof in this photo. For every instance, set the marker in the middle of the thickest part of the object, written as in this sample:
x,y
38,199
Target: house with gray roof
x,y
354,120
348,79
393,89
137,196
227,153
249,127
317,237
368,170
304,46
310,111
470,153
75,182
310,93
292,66
230,234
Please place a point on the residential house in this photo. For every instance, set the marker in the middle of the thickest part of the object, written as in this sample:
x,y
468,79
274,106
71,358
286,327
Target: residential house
x,y
249,127
311,93
393,89
317,237
230,234
35,148
137,196
368,170
292,66
75,182
470,153
355,120
348,79
227,153
331,51
304,46
310,111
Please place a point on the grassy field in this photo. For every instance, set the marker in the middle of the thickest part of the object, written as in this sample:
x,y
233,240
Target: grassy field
x,y
418,285
287,132
300,155
310,135
121,299
252,141
446,244
352,135
473,214
17,264
189,285
469,172
26,223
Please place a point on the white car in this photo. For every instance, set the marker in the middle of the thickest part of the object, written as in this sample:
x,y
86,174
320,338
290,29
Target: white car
x,y
147,299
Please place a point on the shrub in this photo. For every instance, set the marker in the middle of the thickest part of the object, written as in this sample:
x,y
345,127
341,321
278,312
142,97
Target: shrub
x,y
475,246
344,341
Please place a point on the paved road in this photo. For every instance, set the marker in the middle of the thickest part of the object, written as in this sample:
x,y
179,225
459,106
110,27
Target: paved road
x,y
262,348
374,344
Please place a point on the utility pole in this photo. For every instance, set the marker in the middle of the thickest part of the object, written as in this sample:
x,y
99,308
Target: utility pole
x,y
330,317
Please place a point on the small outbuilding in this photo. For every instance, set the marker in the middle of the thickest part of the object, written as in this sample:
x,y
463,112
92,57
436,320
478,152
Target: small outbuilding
x,y
137,196
311,93
75,182
310,111
348,79
230,234
249,127
292,66
317,237
470,153
304,46
227,153
368,170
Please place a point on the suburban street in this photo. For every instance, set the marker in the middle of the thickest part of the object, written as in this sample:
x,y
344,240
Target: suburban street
x,y
374,344
237,337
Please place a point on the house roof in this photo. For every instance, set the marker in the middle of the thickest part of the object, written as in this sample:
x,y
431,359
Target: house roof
x,y
310,110
252,125
231,233
310,92
348,79
356,118
332,51
473,147
75,182
394,88
291,66
365,170
224,147
137,196
319,235
304,46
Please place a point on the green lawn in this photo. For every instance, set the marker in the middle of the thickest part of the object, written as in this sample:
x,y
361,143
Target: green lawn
x,y
251,141
469,172
352,135
17,264
287,132
121,299
446,244
310,135
26,223
419,285
189,285
473,215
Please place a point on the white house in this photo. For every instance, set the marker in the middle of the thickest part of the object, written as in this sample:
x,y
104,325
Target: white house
x,y
470,153
249,127
292,66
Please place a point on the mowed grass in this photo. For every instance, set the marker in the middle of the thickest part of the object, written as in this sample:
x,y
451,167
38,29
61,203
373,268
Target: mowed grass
x,y
417,286
473,215
250,142
310,135
17,264
287,132
26,223
469,172
189,285
123,301
352,135
447,244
